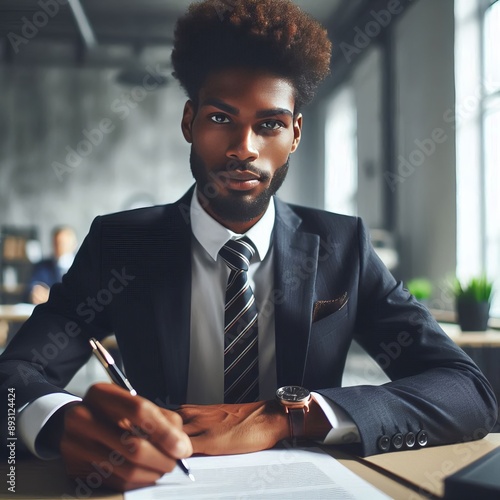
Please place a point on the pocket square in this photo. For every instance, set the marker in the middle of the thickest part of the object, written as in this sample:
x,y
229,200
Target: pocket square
x,y
323,308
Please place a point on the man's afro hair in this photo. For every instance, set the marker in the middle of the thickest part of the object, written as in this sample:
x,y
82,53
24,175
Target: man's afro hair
x,y
272,35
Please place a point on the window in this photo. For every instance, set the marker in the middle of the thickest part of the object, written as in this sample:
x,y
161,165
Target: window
x,y
477,120
341,173
491,117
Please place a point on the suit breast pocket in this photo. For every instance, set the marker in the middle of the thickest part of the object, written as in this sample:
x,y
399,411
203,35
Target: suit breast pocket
x,y
330,324
324,308
328,345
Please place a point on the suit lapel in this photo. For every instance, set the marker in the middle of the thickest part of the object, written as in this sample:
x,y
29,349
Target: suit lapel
x,y
172,301
295,267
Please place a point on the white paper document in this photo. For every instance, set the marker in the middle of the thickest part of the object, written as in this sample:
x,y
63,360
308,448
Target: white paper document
x,y
293,473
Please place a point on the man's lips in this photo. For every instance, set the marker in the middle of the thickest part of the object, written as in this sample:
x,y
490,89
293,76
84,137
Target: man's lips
x,y
240,180
240,175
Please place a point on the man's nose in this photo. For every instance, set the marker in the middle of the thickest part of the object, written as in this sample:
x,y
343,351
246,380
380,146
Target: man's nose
x,y
244,146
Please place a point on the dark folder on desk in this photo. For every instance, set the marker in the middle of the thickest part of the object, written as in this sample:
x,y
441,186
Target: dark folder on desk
x,y
481,479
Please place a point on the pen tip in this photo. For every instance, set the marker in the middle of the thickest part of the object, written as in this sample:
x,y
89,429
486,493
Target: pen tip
x,y
191,477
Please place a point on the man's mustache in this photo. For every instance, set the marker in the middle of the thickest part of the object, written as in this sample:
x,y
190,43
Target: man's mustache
x,y
241,166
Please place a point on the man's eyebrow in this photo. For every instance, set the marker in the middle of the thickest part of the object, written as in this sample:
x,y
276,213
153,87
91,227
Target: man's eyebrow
x,y
267,113
212,101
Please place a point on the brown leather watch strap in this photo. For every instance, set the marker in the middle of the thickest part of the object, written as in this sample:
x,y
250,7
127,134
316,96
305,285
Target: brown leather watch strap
x,y
297,418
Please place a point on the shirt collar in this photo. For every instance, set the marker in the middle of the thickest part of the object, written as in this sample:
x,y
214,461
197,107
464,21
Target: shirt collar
x,y
213,236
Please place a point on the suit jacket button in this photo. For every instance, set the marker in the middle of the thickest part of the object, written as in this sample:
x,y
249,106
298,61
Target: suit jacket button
x,y
397,441
410,440
422,438
384,443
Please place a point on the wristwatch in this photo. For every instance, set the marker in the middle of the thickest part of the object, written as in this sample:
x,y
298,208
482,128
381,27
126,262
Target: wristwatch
x,y
295,400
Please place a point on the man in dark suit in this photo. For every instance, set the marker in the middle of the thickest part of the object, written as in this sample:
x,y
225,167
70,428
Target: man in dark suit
x,y
309,282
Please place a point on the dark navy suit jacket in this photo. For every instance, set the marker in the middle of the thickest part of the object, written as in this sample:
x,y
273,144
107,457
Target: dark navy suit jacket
x,y
132,277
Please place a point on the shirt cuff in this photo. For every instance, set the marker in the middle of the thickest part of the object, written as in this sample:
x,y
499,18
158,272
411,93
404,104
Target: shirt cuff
x,y
34,416
344,430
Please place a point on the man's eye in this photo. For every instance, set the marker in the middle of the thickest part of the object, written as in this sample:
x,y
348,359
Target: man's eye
x,y
219,118
272,125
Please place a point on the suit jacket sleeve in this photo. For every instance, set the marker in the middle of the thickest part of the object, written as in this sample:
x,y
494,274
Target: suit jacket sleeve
x,y
435,387
53,343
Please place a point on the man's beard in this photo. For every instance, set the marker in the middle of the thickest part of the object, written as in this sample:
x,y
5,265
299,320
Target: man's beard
x,y
237,206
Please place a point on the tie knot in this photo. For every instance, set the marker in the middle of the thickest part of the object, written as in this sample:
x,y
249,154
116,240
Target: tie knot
x,y
238,253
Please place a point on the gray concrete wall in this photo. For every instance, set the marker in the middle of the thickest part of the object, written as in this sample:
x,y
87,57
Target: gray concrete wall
x,y
367,85
139,152
46,112
426,182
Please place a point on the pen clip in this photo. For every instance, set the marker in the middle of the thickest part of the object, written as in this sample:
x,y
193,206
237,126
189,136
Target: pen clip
x,y
110,366
96,346
103,354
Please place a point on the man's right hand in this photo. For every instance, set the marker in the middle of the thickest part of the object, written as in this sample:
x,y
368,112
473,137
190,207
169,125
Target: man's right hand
x,y
100,436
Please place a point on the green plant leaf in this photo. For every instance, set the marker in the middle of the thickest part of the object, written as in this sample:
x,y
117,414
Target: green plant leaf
x,y
420,288
478,289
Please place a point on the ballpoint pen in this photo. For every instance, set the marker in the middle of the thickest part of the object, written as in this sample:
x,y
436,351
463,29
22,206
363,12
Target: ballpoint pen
x,y
119,378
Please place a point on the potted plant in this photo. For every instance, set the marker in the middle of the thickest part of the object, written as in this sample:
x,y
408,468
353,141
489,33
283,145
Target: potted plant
x,y
473,300
421,289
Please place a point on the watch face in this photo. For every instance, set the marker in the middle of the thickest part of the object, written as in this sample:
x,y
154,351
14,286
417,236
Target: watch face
x,y
292,393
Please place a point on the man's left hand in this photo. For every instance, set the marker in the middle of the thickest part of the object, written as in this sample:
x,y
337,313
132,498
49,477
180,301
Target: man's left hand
x,y
226,429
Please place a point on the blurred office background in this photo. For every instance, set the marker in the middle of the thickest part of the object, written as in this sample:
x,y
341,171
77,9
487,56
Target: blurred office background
x,y
404,133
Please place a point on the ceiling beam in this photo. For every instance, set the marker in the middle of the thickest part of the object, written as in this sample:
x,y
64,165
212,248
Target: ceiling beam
x,y
355,27
83,24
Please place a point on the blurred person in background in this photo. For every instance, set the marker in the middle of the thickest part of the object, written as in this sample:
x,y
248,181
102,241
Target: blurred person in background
x,y
51,270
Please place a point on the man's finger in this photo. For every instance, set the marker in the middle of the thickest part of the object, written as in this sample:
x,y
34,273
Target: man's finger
x,y
117,405
82,460
109,442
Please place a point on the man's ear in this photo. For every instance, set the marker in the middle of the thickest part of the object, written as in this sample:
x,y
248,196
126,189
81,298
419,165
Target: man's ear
x,y
187,121
297,132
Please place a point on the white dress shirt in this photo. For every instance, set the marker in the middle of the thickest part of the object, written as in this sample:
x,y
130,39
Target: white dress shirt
x,y
208,280
206,365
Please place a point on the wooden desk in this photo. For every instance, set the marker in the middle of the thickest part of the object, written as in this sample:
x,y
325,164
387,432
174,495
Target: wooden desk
x,y
427,468
451,317
16,312
489,338
409,475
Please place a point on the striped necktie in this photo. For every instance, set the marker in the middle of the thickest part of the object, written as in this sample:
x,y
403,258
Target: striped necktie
x,y
241,366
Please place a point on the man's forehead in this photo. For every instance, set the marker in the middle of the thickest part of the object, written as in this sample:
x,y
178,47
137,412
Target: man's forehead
x,y
236,87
